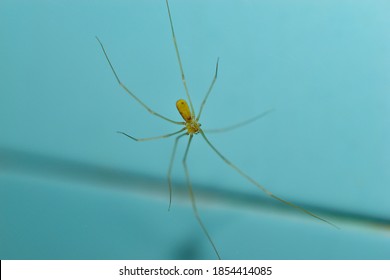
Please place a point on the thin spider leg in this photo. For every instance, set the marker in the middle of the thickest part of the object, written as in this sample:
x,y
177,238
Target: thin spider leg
x,y
151,138
192,196
209,91
170,168
179,60
129,92
240,124
260,186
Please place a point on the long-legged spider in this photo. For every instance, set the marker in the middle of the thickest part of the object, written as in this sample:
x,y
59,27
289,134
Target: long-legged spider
x,y
191,127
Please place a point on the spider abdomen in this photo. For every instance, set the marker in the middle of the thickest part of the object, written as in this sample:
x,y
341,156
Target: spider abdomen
x,y
184,110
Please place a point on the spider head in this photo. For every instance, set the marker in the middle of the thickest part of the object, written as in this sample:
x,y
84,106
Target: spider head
x,y
193,127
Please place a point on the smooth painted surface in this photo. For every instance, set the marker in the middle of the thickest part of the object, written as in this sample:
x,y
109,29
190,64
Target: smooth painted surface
x,y
322,65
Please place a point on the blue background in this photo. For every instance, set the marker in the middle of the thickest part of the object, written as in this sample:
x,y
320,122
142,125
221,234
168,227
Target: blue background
x,y
72,188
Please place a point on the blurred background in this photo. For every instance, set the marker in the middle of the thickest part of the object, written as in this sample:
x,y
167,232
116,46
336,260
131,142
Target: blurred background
x,y
72,188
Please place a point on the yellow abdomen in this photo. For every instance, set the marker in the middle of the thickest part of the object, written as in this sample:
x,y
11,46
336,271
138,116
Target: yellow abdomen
x,y
184,110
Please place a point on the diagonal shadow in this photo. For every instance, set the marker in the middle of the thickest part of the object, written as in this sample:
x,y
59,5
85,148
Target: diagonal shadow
x,y
27,163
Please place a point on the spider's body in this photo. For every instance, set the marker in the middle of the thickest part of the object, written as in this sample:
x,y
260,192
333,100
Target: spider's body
x,y
192,124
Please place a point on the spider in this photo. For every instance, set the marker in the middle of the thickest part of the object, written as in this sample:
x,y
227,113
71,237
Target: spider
x,y
190,127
